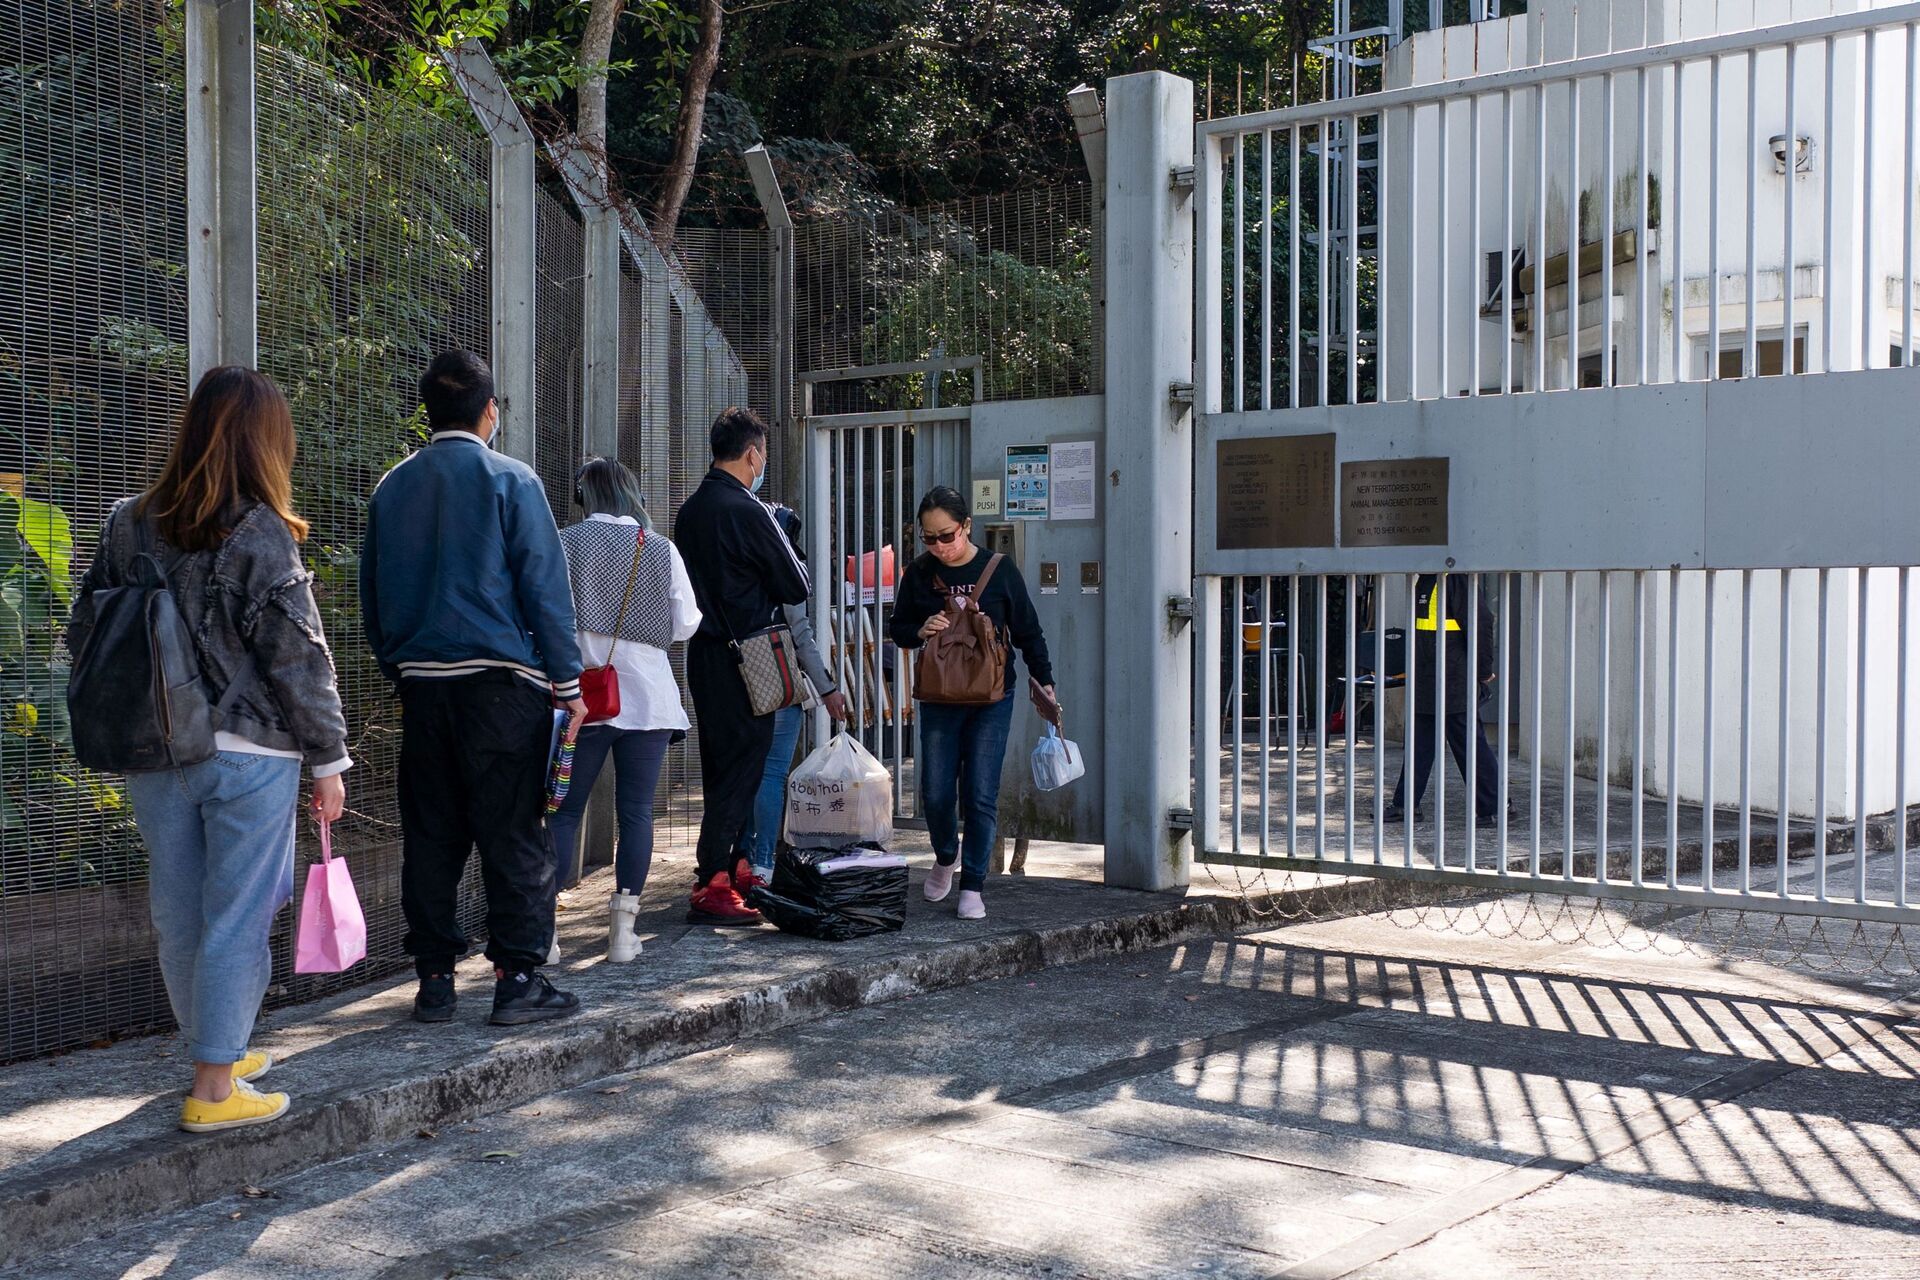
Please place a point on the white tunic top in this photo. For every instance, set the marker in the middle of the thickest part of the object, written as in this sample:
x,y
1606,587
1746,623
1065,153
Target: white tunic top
x,y
649,695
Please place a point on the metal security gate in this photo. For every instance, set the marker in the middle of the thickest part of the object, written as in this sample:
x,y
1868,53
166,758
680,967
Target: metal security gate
x,y
868,471
1637,392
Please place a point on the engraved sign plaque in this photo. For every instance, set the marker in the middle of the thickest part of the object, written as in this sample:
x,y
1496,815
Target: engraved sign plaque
x,y
1275,491
1394,502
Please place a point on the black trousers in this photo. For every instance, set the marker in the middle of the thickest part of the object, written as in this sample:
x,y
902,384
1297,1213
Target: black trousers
x,y
1426,746
473,771
733,750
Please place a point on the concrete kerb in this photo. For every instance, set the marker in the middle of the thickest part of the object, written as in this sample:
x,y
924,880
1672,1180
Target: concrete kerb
x,y
38,1213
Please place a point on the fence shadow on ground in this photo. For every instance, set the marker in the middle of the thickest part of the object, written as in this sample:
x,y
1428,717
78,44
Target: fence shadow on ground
x,y
1521,1066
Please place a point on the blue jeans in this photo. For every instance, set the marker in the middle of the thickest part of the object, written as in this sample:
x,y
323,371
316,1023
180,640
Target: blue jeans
x,y
219,865
769,804
637,757
961,751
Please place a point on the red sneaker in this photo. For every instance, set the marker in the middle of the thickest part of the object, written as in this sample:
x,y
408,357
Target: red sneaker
x,y
718,903
745,878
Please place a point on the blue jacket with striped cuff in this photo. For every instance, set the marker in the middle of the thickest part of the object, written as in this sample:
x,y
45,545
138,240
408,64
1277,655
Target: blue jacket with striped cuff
x,y
462,572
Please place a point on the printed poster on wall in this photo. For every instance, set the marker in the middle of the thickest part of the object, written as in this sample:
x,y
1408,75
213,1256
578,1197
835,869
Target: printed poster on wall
x,y
1028,493
1071,474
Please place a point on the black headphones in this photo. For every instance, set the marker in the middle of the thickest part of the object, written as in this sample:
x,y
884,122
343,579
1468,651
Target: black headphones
x,y
579,480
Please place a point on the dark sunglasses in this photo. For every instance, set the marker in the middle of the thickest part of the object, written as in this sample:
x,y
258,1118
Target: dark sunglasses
x,y
941,539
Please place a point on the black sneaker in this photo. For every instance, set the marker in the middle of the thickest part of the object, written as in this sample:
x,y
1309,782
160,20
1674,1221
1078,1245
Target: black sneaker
x,y
435,1000
1395,815
528,997
1492,818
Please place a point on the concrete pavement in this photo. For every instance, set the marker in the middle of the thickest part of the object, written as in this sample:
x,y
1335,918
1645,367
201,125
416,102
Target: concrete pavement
x,y
88,1143
1345,1097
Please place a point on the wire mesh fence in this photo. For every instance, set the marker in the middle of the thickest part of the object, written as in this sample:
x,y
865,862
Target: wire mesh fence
x,y
558,310
373,241
706,344
373,230
372,225
92,333
1013,279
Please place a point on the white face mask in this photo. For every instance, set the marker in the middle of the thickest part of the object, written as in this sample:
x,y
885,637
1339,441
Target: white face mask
x,y
760,476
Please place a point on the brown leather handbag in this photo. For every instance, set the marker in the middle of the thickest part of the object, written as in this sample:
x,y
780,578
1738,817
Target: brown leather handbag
x,y
965,665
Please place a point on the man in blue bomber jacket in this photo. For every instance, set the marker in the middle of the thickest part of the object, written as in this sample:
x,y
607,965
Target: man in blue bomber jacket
x,y
464,590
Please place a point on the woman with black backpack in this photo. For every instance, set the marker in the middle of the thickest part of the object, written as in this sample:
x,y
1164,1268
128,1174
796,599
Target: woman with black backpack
x,y
966,709
206,566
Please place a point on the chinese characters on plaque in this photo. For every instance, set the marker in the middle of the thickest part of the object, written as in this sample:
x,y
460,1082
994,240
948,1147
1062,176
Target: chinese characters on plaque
x,y
1394,502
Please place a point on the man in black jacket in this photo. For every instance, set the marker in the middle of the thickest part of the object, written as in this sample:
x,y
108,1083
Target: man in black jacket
x,y
742,569
1439,613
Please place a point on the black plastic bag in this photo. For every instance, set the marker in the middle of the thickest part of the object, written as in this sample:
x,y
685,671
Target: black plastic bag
x,y
835,894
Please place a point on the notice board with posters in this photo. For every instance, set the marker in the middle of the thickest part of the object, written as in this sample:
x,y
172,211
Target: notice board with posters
x,y
1029,490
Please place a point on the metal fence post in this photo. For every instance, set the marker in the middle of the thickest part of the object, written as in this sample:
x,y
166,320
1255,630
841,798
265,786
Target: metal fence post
x,y
779,311
514,245
1149,656
586,182
222,252
599,401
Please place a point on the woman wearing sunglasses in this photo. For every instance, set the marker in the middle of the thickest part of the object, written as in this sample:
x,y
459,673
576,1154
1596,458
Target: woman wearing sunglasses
x,y
966,744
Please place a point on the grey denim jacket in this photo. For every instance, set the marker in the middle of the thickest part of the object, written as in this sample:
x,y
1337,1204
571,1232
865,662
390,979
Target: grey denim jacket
x,y
250,601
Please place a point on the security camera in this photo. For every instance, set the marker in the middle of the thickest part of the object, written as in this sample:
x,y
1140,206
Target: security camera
x,y
1802,153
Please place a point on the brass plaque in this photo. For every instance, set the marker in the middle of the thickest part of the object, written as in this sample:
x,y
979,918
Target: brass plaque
x,y
1275,491
1394,502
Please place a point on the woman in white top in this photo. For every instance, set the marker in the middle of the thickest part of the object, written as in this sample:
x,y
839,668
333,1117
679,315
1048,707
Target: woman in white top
x,y
631,600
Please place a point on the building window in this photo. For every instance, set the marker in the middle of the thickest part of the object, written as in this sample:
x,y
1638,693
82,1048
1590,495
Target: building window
x,y
1768,353
1590,368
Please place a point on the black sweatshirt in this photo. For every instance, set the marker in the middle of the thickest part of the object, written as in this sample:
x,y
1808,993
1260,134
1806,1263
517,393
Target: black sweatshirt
x,y
1006,603
739,561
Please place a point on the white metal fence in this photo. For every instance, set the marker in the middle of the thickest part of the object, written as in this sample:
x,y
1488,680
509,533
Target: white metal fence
x,y
869,471
1698,598
1417,242
1302,759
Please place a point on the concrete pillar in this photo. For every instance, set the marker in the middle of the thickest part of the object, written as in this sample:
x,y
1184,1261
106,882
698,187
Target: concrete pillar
x,y
513,246
222,253
1149,491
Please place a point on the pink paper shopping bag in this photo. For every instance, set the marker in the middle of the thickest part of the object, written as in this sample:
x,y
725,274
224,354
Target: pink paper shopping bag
x,y
333,932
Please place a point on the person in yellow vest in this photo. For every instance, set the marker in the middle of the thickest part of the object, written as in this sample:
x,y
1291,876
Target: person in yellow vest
x,y
1444,612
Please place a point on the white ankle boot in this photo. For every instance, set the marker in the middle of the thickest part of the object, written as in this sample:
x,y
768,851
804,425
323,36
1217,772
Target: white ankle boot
x,y
623,912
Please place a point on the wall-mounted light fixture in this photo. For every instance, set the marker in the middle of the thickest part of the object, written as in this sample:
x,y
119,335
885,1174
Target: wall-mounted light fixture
x,y
1802,153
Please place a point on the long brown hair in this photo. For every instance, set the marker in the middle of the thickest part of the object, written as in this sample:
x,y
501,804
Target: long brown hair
x,y
236,443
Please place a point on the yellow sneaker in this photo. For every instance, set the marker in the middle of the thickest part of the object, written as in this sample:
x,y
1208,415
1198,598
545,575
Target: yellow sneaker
x,y
244,1106
256,1064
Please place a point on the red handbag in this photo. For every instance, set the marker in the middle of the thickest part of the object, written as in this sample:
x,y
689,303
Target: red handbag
x,y
600,686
